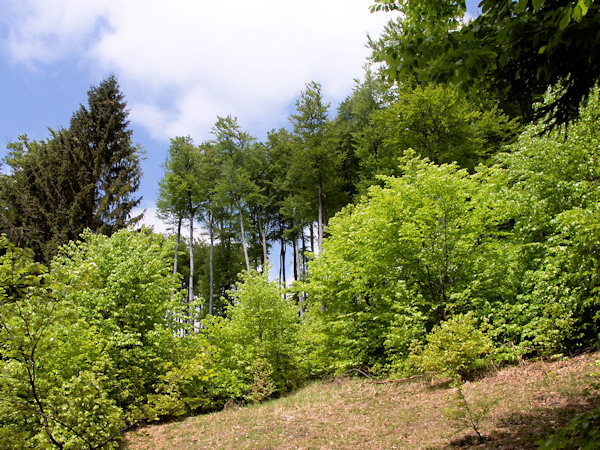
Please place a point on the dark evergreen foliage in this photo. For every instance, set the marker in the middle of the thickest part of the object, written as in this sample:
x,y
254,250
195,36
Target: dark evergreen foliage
x,y
82,177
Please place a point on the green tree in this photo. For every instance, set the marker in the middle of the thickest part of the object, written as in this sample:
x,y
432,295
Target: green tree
x,y
103,138
438,123
53,391
235,186
180,192
397,262
551,189
124,289
314,153
83,177
260,334
512,51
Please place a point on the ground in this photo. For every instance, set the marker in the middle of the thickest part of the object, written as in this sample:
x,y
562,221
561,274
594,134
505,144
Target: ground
x,y
514,408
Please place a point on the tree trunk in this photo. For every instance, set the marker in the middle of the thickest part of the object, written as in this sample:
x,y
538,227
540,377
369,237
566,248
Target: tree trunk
x,y
320,186
263,240
179,220
303,268
282,261
191,283
210,264
244,244
296,255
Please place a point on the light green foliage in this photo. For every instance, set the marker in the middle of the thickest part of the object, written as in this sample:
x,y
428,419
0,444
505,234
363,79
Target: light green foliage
x,y
456,348
395,263
438,123
248,355
199,381
123,286
261,325
553,193
53,389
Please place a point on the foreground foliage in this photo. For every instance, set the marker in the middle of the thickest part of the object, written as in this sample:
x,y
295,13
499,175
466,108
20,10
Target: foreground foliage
x,y
83,344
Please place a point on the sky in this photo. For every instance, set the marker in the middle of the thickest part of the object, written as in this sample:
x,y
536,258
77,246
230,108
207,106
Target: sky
x,y
180,64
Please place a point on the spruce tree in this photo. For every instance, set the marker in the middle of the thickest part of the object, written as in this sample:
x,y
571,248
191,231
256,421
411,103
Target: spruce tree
x,y
81,177
103,138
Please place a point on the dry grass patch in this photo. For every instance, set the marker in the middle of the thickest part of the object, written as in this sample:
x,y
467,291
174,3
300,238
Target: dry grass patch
x,y
524,403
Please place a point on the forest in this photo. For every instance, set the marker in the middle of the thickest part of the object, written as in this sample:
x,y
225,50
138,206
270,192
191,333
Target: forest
x,y
443,219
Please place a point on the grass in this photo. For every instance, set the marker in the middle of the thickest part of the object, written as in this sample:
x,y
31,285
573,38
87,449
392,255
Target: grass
x,y
522,405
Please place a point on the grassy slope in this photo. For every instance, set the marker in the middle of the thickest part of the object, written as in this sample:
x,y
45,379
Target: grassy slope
x,y
523,404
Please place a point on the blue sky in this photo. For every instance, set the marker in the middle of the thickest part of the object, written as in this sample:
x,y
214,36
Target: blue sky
x,y
180,63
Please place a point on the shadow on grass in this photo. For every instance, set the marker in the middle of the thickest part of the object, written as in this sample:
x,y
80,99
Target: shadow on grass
x,y
521,430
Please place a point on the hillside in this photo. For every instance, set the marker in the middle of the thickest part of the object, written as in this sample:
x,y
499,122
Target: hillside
x,y
518,406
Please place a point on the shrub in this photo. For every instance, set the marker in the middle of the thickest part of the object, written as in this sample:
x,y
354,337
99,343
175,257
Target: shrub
x,y
455,348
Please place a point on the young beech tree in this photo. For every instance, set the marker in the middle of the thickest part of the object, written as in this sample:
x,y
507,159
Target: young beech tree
x,y
123,287
395,262
83,346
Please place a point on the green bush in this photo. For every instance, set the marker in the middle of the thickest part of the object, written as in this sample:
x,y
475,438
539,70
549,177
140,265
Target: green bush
x,y
456,348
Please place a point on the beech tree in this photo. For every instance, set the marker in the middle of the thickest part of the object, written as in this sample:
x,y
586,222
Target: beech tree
x,y
180,191
235,185
512,51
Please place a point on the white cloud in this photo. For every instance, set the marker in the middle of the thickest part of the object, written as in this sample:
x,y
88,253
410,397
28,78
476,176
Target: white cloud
x,y
151,219
182,63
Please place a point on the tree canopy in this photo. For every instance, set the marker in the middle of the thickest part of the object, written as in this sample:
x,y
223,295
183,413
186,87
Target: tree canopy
x,y
512,51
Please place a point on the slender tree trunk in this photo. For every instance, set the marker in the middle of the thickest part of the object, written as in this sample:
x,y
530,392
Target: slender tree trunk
x,y
282,261
244,244
296,255
320,230
191,283
179,220
263,240
303,271
312,237
210,264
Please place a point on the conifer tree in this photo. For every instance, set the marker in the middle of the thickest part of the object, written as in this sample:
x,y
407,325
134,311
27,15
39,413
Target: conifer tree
x,y
82,177
103,138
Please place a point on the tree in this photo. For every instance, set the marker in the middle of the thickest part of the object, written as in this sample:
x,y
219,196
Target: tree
x,y
83,177
180,191
397,263
122,287
438,123
512,51
313,152
103,138
236,185
54,389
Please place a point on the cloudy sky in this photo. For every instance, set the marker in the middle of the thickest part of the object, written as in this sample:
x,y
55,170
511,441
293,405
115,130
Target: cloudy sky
x,y
180,63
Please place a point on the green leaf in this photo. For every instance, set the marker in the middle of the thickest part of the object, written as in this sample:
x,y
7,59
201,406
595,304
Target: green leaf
x,y
566,18
584,5
577,14
521,6
537,4
542,49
